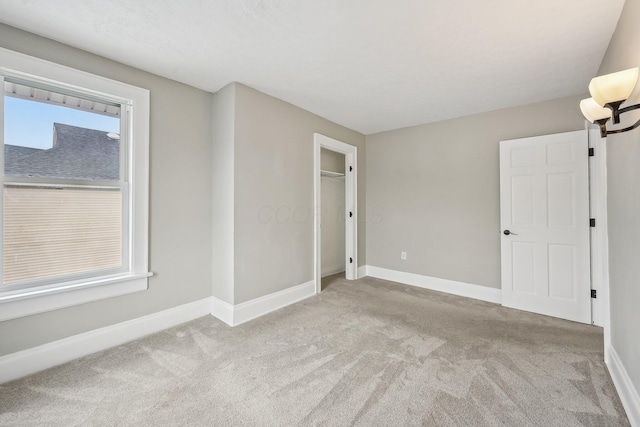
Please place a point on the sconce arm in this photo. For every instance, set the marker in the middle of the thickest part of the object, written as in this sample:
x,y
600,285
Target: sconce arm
x,y
629,108
632,127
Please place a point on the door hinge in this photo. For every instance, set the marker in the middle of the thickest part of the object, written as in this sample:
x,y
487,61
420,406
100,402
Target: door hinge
x,y
594,293
592,222
350,260
350,168
350,214
592,152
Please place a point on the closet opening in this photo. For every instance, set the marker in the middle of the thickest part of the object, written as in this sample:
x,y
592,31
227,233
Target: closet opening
x,y
336,215
332,215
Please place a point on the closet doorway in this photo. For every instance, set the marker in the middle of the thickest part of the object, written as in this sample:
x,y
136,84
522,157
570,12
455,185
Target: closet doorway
x,y
332,215
335,220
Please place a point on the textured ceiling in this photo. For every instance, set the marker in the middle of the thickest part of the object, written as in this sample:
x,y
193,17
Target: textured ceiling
x,y
370,65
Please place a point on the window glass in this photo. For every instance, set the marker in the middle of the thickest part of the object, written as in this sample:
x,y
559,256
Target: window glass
x,y
51,135
63,196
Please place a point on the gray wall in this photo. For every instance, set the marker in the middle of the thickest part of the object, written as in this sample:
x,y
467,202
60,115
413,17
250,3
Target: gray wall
x,y
623,158
433,190
180,201
331,161
274,192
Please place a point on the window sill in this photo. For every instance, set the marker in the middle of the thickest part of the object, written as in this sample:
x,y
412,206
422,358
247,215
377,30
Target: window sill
x,y
39,300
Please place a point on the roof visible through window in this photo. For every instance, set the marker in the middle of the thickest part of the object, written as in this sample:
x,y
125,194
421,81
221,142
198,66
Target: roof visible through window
x,y
53,135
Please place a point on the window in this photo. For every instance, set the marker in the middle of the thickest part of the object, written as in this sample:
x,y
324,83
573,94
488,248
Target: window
x,y
75,186
64,198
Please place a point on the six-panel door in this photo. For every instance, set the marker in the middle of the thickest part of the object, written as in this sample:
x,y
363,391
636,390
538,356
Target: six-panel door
x,y
544,203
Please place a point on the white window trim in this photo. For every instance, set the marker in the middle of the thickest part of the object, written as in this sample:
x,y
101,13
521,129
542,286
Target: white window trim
x,y
24,302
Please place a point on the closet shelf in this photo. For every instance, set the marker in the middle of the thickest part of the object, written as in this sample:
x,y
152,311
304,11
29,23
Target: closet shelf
x,y
331,174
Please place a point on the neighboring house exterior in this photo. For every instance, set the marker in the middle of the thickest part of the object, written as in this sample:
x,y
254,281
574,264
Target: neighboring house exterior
x,y
61,230
77,153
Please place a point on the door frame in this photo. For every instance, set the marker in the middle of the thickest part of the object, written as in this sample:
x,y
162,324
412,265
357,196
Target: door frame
x,y
599,235
600,310
351,205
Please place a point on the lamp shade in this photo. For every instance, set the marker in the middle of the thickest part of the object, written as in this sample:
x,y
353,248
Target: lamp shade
x,y
592,111
614,87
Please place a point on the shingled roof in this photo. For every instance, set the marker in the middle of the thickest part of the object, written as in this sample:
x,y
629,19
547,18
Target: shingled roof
x,y
77,153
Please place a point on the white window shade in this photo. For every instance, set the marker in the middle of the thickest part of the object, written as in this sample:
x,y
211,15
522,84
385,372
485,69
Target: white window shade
x,y
52,232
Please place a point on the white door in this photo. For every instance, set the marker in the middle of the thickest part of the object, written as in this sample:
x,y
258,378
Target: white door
x,y
544,211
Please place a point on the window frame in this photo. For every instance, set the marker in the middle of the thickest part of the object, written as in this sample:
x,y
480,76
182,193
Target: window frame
x,y
134,101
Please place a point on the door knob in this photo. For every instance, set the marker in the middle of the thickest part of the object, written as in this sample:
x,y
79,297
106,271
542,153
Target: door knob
x,y
507,232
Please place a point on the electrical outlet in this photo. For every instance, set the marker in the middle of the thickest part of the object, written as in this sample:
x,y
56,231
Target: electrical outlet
x,y
403,255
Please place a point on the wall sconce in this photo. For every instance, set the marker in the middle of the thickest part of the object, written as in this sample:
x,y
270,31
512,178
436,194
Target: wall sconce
x,y
608,93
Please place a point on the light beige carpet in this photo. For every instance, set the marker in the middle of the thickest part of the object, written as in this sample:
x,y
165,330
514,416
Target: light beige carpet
x,y
366,353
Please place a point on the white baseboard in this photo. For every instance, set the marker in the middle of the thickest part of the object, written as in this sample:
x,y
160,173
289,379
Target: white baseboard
x,y
468,290
234,315
30,361
332,270
26,362
260,306
222,310
362,271
626,390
